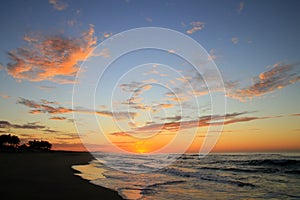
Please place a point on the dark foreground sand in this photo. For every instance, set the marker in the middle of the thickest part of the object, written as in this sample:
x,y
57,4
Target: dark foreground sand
x,y
47,176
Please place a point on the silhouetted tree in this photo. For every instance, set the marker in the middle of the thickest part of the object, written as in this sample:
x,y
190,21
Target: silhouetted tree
x,y
40,145
15,141
9,140
23,147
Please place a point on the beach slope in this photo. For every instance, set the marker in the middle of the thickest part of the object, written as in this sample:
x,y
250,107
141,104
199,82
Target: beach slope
x,y
47,175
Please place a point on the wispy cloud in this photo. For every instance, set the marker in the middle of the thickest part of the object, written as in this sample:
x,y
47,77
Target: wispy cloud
x,y
58,118
151,71
46,88
136,89
52,58
212,55
151,80
174,126
280,76
235,40
54,108
58,5
104,53
105,35
196,26
192,84
72,22
172,51
6,125
174,119
296,115
148,19
241,7
4,96
43,107
115,115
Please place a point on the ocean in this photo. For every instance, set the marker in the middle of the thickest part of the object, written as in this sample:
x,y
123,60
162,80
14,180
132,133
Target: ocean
x,y
215,176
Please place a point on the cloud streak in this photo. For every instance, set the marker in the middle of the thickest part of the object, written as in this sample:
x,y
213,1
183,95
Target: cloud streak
x,y
6,125
280,76
52,108
296,115
4,96
204,121
57,118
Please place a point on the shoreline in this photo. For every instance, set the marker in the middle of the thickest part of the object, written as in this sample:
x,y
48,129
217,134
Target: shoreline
x,y
48,175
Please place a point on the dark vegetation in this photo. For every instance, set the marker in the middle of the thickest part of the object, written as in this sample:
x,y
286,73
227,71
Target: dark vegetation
x,y
12,142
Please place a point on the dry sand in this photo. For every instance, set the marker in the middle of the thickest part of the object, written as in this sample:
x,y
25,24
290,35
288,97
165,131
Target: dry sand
x,y
33,175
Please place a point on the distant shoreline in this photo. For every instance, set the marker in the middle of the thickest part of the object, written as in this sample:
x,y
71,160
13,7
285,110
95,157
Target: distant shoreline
x,y
47,175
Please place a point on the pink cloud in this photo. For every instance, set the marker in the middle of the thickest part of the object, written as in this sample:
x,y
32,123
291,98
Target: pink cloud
x,y
196,26
58,5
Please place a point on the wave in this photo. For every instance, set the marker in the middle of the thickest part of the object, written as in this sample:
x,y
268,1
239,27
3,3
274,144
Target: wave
x,y
254,170
257,175
207,177
275,162
166,183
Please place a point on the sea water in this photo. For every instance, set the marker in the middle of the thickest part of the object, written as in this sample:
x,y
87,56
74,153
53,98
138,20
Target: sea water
x,y
215,176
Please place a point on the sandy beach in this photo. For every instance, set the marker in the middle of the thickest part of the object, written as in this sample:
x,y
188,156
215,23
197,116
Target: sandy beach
x,y
47,176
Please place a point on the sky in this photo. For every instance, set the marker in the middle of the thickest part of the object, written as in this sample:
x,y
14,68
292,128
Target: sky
x,y
151,76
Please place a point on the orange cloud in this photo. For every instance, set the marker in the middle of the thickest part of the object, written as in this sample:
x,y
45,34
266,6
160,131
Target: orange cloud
x,y
52,58
139,106
166,105
151,80
4,96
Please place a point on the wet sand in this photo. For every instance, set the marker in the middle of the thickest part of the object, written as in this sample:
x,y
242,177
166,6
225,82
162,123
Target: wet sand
x,y
47,175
